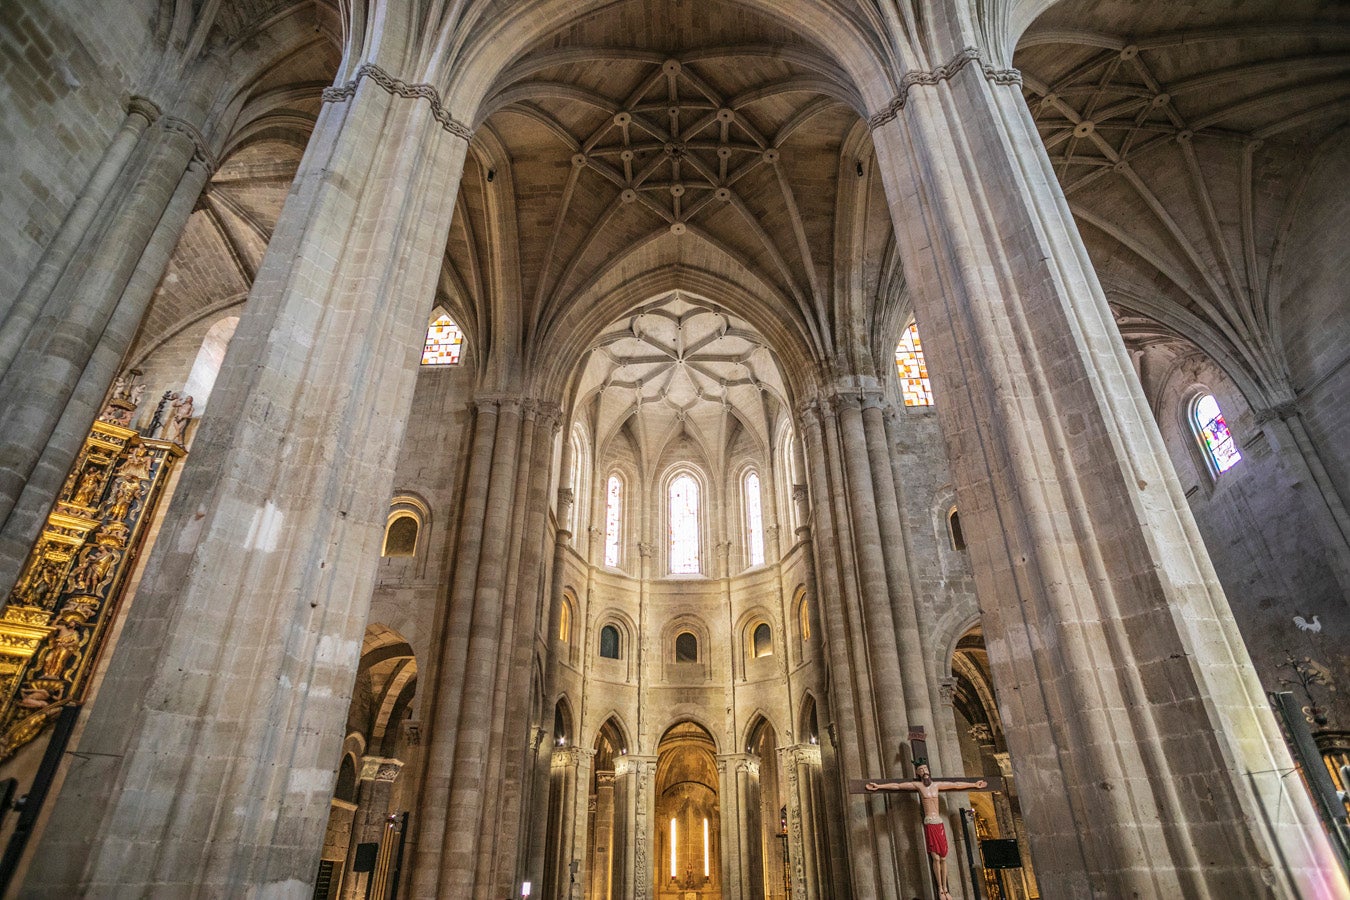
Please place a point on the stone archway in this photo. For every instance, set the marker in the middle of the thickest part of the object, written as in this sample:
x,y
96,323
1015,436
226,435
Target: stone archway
x,y
687,840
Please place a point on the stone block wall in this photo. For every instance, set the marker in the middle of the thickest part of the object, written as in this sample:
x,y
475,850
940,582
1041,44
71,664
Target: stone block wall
x,y
53,58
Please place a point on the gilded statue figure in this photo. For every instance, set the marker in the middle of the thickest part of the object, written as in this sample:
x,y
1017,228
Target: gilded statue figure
x,y
94,569
90,483
62,652
125,495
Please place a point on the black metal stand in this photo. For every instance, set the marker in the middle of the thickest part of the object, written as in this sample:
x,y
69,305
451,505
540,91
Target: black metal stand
x,y
30,805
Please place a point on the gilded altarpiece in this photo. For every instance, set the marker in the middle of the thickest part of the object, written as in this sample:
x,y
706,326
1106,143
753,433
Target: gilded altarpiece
x,y
59,612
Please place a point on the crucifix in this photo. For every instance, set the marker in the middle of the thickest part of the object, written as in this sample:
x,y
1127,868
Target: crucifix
x,y
928,788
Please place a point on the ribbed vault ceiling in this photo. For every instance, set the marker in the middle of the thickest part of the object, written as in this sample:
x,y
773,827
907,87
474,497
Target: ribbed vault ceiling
x,y
1188,141
681,367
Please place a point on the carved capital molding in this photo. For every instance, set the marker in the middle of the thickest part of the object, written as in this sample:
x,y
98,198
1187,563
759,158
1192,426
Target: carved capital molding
x,y
947,690
940,74
377,768
201,154
144,107
801,754
400,88
1282,411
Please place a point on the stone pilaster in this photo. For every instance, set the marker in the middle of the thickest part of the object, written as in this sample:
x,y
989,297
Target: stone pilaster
x,y
1086,558
233,673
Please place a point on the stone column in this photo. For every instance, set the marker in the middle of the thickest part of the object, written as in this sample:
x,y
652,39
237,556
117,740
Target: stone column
x,y
1019,828
233,674
859,750
66,352
742,875
1146,752
633,804
806,838
74,229
567,778
374,792
601,874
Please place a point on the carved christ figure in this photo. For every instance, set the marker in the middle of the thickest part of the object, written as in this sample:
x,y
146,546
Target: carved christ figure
x,y
934,832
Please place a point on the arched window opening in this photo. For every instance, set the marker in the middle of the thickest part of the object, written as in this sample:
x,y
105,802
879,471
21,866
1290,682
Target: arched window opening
x,y
206,367
958,537
445,342
346,780
562,724
762,642
1215,438
400,536
754,519
609,642
565,621
787,468
613,518
915,387
683,518
804,620
579,479
686,647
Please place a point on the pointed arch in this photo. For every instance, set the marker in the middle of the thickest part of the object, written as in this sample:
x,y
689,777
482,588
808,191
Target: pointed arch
x,y
444,344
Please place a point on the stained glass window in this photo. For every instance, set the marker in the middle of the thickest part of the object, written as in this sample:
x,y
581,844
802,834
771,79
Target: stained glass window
x,y
613,518
909,363
754,519
1214,435
444,343
763,640
565,621
684,526
609,642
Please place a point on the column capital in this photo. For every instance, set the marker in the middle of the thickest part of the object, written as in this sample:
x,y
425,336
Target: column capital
x,y
946,690
800,754
1282,411
399,88
143,107
738,762
378,768
201,152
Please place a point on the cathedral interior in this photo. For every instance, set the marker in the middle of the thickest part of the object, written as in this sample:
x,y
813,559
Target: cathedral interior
x,y
602,448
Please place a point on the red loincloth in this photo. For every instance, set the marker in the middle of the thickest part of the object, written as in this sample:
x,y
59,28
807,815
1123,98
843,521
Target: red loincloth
x,y
935,836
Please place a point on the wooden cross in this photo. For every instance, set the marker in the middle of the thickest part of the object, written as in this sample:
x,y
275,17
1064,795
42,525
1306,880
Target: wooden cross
x,y
918,747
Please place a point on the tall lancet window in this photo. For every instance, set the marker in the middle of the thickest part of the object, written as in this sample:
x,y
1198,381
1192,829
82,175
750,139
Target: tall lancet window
x,y
913,371
613,519
445,342
1214,435
754,519
684,526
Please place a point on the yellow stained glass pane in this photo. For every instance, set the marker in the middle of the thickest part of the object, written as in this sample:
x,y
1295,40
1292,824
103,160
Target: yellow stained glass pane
x,y
445,342
913,371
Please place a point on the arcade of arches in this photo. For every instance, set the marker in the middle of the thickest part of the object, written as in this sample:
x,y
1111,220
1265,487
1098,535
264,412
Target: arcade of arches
x,y
490,449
